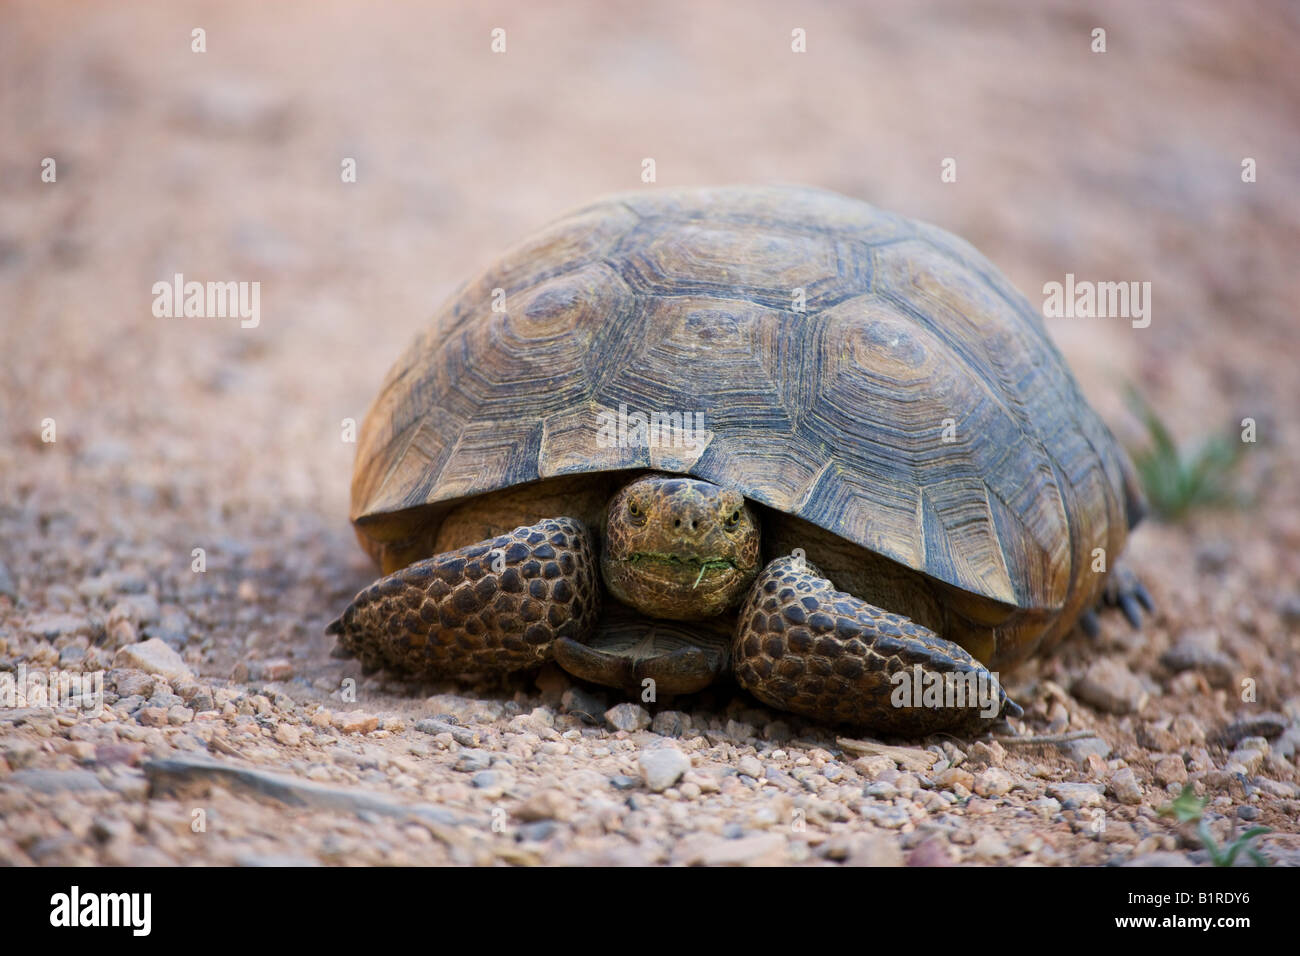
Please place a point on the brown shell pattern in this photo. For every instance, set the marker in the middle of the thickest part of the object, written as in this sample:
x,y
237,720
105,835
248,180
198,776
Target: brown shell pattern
x,y
684,301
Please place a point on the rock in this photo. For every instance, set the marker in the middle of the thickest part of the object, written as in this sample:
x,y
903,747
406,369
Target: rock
x,y
628,717
1213,556
53,626
462,735
545,805
472,761
1086,751
1078,794
1248,813
1110,686
777,731
288,734
274,669
874,849
760,849
1286,746
662,767
623,782
994,782
1187,730
954,777
1170,769
932,851
750,766
1046,807
1250,753
172,627
1124,785
740,731
1198,650
154,657
129,754
990,848
873,766
182,776
56,781
132,683
356,722
152,716
1154,736
486,779
670,723
982,754
537,831
889,817
1159,858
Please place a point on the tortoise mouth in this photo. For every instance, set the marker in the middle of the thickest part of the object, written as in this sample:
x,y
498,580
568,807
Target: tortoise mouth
x,y
679,566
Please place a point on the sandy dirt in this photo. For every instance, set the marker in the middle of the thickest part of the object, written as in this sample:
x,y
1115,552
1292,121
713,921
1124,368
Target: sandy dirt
x,y
231,736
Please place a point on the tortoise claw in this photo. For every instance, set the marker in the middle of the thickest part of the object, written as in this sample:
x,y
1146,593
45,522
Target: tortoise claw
x,y
1129,605
1144,596
1124,591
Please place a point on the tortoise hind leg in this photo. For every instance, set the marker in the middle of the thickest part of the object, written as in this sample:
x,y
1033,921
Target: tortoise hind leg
x,y
491,607
803,646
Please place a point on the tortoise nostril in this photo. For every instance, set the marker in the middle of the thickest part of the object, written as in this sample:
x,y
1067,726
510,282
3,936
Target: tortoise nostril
x,y
695,526
677,523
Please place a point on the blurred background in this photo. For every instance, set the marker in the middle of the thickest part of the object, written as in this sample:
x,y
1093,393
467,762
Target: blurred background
x,y
225,165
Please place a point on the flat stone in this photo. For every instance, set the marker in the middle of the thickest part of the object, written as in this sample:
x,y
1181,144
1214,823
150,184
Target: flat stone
x,y
154,657
183,776
1160,858
55,781
760,849
1081,794
356,722
1080,750
874,849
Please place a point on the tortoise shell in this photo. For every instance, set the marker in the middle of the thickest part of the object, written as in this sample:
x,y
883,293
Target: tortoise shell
x,y
872,375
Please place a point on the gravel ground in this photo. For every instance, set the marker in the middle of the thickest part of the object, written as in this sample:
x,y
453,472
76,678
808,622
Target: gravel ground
x,y
229,735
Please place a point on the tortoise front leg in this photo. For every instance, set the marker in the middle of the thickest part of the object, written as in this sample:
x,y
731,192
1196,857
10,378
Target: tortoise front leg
x,y
803,646
491,607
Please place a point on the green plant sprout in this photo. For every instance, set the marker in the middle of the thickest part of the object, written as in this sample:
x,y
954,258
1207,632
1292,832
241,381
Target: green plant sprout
x,y
1174,482
1187,807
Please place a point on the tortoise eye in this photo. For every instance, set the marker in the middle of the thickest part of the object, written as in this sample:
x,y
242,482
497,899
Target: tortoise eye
x,y
633,508
734,519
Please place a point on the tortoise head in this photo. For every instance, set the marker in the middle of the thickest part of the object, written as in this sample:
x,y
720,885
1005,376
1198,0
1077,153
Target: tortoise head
x,y
678,547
